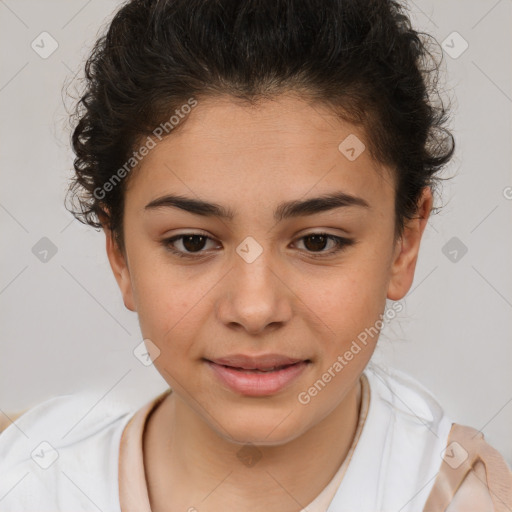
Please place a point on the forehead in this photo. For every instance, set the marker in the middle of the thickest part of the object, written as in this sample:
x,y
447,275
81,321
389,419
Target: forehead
x,y
233,152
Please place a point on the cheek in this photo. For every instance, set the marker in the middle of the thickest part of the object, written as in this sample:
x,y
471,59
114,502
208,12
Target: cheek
x,y
349,294
170,304
350,303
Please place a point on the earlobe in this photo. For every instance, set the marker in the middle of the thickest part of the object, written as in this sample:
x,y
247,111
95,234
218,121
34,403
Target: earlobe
x,y
120,269
407,249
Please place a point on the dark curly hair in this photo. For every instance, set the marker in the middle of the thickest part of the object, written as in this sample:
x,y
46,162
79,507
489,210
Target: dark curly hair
x,y
361,58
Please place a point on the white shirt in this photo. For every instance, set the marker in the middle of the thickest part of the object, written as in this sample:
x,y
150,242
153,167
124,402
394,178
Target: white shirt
x,y
391,467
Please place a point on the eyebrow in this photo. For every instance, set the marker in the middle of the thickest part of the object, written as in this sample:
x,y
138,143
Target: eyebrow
x,y
284,210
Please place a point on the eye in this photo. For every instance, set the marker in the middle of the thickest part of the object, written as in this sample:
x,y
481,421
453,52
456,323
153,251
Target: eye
x,y
315,244
192,245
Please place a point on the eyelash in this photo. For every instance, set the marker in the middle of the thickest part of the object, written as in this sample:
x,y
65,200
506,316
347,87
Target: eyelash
x,y
341,244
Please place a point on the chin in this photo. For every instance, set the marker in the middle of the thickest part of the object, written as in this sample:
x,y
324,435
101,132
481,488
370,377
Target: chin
x,y
260,428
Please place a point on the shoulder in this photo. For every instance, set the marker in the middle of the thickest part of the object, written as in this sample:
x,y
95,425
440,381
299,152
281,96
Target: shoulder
x,y
472,476
453,465
408,428
406,398
63,451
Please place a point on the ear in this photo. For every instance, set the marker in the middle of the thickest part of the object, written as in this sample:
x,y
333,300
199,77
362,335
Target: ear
x,y
407,249
119,265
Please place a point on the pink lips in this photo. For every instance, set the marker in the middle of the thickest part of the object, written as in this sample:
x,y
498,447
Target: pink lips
x,y
257,375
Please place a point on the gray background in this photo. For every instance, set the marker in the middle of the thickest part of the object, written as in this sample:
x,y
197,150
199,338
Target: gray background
x,y
63,323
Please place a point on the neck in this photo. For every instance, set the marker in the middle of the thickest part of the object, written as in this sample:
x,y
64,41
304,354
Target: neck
x,y
187,461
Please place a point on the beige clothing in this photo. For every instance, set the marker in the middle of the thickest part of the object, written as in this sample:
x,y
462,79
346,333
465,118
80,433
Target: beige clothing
x,y
392,465
482,482
132,482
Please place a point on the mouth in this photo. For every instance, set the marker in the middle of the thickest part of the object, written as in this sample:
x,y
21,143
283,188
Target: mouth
x,y
258,370
257,376
264,362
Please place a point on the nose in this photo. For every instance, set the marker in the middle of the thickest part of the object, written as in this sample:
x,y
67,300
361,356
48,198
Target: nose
x,y
255,296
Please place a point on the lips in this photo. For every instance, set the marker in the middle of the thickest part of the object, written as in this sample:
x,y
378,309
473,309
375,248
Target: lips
x,y
257,376
262,363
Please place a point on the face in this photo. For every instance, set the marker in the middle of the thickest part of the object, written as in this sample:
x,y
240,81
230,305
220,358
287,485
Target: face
x,y
269,273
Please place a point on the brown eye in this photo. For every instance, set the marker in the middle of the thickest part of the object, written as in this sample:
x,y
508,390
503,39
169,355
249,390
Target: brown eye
x,y
193,243
187,245
317,242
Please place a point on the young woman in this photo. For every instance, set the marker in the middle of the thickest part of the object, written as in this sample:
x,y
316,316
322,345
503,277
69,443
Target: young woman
x,y
263,172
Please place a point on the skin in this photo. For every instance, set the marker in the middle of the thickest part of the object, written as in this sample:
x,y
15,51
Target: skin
x,y
250,159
